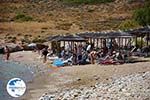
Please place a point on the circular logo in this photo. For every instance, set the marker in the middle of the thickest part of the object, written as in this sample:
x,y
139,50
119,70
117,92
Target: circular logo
x,y
16,87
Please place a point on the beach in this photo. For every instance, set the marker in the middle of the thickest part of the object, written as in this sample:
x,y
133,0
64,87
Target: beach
x,y
75,49
43,79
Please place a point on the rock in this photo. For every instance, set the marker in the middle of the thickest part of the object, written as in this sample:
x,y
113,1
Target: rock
x,y
130,86
107,78
78,79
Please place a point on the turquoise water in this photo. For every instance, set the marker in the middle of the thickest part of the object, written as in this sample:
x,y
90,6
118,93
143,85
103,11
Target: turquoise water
x,y
10,70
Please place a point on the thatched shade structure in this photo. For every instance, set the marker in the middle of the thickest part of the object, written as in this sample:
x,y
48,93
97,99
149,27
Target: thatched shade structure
x,y
50,38
72,38
141,33
112,34
98,37
57,40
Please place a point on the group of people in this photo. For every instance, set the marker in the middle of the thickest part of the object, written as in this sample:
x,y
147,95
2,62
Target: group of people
x,y
87,53
80,53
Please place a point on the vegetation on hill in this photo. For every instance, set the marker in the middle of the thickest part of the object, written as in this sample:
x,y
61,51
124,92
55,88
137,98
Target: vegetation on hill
x,y
128,24
46,17
22,17
87,1
142,15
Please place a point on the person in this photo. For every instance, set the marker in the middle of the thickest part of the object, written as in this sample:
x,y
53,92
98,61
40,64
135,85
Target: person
x,y
79,52
88,49
7,52
92,56
62,52
104,49
110,46
75,54
44,53
115,45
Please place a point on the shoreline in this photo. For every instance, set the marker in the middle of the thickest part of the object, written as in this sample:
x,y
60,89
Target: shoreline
x,y
53,79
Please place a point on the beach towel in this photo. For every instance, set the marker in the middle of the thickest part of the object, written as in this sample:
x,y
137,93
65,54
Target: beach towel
x,y
58,63
111,62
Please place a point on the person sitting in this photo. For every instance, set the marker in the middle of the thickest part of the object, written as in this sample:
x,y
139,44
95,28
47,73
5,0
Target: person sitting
x,y
84,58
62,53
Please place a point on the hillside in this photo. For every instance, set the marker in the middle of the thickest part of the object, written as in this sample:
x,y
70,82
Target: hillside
x,y
40,18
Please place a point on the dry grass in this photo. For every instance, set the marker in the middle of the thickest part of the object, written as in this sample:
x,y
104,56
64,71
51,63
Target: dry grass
x,y
53,18
35,29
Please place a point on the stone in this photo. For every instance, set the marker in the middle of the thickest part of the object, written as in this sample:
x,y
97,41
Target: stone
x,y
78,79
123,88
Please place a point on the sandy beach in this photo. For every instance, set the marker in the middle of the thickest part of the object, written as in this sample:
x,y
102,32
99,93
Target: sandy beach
x,y
49,80
101,49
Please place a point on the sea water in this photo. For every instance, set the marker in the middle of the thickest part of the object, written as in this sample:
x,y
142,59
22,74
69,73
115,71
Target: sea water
x,y
9,70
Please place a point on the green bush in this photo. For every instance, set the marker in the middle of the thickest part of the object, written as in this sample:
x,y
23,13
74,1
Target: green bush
x,y
9,37
38,40
87,1
23,17
142,15
26,39
128,24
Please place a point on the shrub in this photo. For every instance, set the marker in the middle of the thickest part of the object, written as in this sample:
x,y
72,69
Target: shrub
x,y
10,37
23,17
26,39
87,1
19,34
142,15
128,24
38,40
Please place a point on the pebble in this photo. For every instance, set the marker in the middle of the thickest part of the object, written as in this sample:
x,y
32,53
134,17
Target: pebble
x,y
134,86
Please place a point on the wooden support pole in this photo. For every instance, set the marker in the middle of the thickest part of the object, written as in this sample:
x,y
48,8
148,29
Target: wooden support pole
x,y
119,43
147,38
94,42
147,41
125,42
97,43
101,43
141,42
129,42
64,43
72,45
136,41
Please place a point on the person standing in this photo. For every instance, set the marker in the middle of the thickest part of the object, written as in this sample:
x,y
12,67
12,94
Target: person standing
x,y
44,53
75,54
7,52
92,56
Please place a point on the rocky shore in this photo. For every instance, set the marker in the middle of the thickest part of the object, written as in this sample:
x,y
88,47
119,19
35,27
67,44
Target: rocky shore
x,y
129,87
